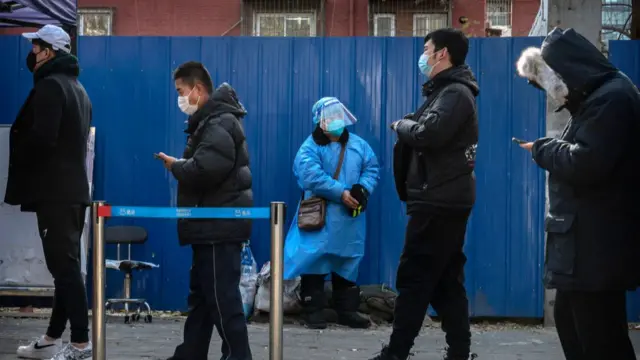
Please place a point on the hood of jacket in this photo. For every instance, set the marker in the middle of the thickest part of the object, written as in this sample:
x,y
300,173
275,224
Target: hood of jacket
x,y
62,63
223,100
567,66
460,74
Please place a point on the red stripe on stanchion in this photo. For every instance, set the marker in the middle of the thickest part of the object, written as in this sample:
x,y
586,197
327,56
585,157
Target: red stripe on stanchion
x,y
104,211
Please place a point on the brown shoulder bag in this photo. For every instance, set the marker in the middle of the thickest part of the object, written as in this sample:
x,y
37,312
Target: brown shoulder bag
x,y
313,211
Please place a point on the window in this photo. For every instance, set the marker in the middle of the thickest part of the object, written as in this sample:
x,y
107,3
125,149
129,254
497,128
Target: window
x,y
426,23
95,22
285,25
499,13
616,19
384,25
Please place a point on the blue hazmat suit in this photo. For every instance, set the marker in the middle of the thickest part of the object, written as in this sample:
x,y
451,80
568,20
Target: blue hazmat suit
x,y
340,245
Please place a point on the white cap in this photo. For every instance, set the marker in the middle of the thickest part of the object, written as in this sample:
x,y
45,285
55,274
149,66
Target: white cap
x,y
52,35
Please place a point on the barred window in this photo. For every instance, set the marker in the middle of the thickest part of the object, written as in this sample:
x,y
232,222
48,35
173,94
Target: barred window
x,y
426,23
384,25
95,22
277,24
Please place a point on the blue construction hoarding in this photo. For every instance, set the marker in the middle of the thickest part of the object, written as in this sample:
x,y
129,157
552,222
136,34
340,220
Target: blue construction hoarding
x,y
278,80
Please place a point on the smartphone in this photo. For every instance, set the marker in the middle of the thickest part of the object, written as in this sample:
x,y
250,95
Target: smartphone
x,y
518,141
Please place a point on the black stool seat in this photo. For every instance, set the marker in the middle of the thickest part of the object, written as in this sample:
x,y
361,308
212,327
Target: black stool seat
x,y
125,235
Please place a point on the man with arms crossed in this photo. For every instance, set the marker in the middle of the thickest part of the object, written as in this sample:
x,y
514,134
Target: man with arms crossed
x,y
47,175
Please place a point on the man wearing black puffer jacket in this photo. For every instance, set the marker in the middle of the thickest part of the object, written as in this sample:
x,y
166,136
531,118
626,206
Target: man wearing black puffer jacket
x,y
434,160
214,172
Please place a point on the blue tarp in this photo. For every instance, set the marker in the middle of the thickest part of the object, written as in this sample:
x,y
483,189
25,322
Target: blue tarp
x,y
41,12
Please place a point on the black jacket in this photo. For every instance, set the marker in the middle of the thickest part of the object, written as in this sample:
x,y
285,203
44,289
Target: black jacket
x,y
214,171
434,157
48,141
593,240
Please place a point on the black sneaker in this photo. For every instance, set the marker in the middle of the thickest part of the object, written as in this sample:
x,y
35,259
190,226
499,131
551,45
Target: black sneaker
x,y
385,354
471,356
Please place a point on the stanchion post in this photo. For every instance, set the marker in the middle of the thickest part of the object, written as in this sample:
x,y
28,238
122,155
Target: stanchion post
x,y
277,270
98,320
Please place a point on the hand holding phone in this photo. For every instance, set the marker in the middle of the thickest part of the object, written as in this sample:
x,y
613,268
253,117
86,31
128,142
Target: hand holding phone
x,y
527,145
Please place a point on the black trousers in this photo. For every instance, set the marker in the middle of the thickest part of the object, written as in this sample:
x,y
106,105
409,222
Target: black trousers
x,y
431,271
215,300
593,325
60,227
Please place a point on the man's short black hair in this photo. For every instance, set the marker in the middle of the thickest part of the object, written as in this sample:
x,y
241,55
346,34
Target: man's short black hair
x,y
454,40
193,72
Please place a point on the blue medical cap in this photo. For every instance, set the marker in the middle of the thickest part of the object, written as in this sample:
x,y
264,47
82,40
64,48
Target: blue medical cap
x,y
317,108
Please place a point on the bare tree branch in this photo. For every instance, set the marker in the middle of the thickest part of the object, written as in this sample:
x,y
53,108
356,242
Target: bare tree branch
x,y
626,32
616,5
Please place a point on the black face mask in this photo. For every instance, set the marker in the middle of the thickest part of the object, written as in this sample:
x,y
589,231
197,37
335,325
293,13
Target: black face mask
x,y
31,60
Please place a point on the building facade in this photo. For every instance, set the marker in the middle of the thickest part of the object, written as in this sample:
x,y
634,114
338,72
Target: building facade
x,y
302,17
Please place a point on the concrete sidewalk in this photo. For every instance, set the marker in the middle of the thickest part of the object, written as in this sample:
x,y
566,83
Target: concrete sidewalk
x,y
157,341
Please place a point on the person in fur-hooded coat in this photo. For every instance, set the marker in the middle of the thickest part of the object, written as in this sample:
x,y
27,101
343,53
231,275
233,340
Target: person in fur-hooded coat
x,y
593,241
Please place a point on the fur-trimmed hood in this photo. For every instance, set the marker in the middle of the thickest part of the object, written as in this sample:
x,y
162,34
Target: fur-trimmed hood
x,y
567,66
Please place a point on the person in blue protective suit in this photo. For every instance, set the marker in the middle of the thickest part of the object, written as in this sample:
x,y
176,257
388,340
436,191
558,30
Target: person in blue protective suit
x,y
338,247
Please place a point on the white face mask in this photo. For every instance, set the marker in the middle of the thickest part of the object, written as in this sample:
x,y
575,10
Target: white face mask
x,y
185,107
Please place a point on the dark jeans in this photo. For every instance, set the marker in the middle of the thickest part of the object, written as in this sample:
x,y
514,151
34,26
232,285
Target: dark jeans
x,y
431,271
215,300
60,228
593,325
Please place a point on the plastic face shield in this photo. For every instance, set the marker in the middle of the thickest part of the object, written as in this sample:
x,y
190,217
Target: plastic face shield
x,y
333,115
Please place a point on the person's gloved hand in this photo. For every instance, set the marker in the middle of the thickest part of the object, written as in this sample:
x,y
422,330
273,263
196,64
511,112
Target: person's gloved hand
x,y
361,194
408,116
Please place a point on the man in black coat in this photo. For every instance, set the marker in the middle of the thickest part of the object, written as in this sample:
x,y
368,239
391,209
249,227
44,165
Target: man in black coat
x,y
434,160
593,240
47,175
213,172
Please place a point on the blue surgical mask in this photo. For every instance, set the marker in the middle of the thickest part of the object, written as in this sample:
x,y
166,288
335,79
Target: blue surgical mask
x,y
423,64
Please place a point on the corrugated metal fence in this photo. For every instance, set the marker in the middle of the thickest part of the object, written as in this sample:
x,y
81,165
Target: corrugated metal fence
x,y
278,80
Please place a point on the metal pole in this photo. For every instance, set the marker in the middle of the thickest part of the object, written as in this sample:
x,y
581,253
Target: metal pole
x,y
98,320
277,267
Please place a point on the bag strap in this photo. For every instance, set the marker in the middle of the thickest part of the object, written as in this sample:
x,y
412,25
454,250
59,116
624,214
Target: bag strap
x,y
337,173
339,168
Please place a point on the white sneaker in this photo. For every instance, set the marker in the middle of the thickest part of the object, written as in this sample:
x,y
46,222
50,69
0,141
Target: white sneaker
x,y
71,352
40,349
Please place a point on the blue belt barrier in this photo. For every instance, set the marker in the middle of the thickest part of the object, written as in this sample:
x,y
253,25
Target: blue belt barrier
x,y
191,213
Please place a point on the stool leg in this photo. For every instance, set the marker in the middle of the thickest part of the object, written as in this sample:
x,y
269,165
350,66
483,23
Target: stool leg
x,y
148,317
127,291
127,295
146,305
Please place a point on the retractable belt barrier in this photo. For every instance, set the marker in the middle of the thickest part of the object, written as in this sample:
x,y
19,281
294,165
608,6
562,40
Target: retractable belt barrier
x,y
101,211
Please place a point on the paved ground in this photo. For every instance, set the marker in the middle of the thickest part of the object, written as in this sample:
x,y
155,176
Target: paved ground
x,y
157,340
